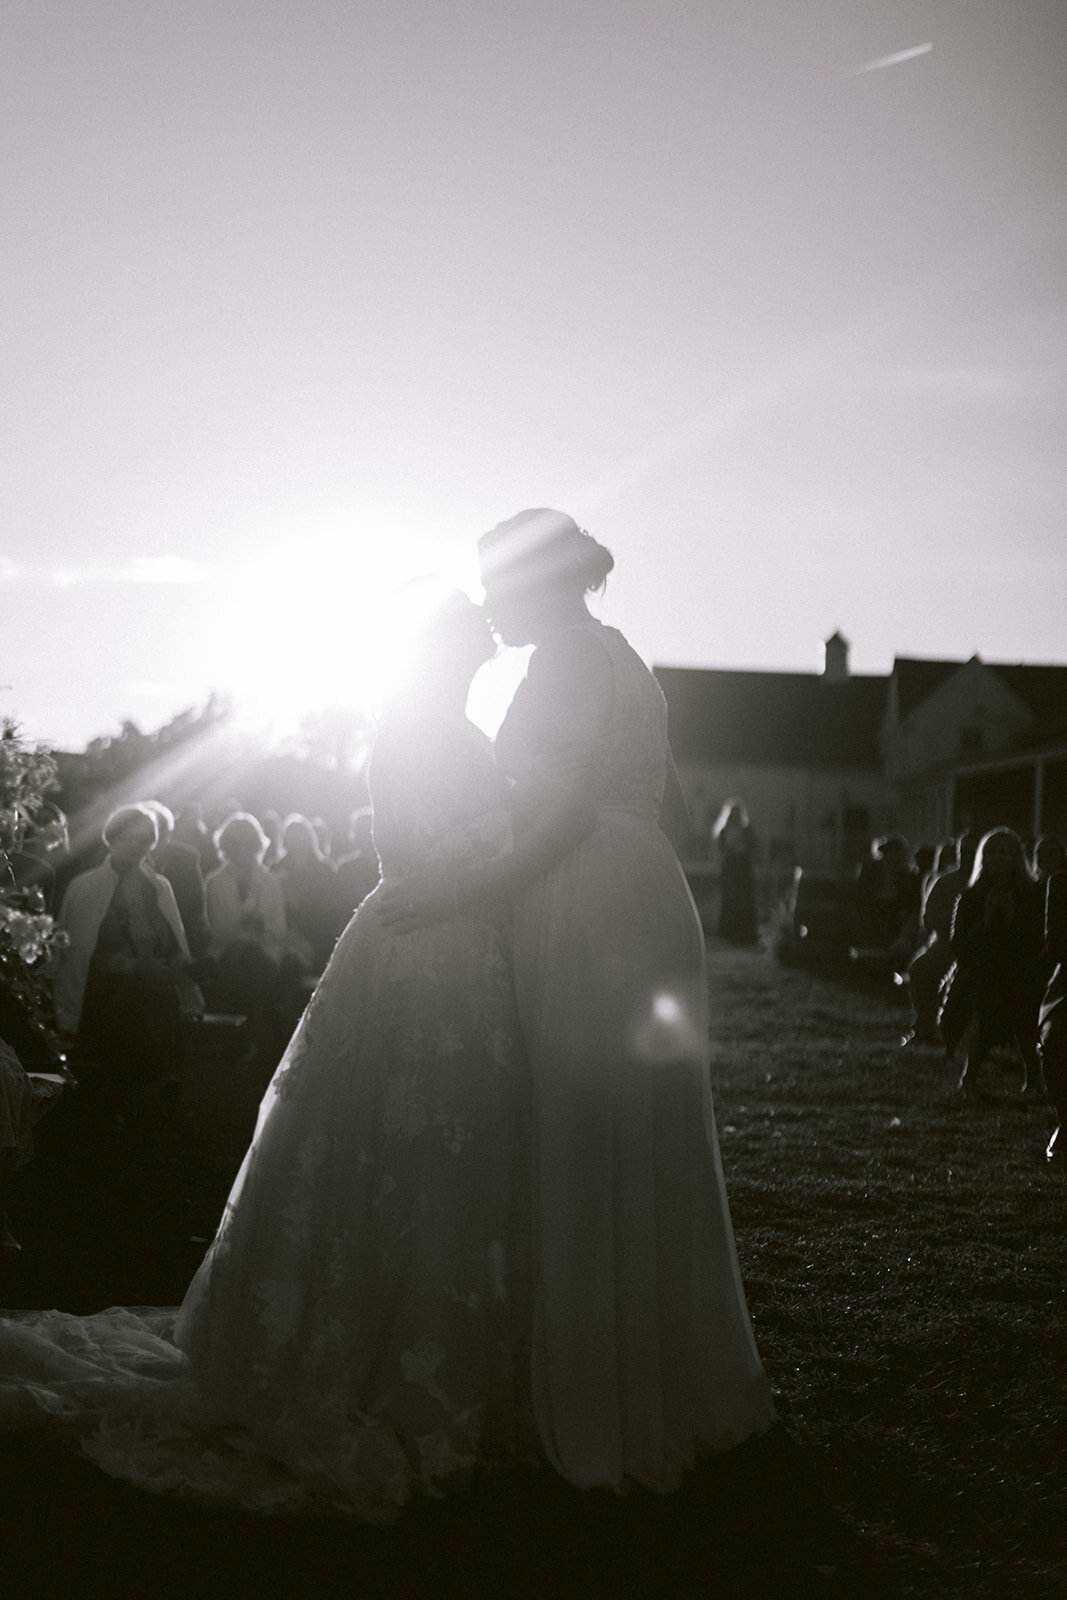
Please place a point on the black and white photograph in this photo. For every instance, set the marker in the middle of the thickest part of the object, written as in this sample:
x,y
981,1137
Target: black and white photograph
x,y
533,799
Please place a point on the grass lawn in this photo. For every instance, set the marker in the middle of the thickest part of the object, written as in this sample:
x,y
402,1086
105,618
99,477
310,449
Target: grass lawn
x,y
903,1259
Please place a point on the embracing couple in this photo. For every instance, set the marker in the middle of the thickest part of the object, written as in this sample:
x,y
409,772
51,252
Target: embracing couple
x,y
482,1218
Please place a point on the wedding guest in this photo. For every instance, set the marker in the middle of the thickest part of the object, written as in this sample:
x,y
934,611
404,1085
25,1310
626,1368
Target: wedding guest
x,y
309,883
737,849
930,964
16,1136
924,857
190,829
271,823
180,865
1052,1019
997,939
1050,855
122,984
889,891
248,931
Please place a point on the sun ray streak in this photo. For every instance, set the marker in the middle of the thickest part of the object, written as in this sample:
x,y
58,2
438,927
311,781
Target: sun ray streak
x,y
895,59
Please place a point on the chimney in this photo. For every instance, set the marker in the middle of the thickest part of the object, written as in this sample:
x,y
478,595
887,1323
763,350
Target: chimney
x,y
835,658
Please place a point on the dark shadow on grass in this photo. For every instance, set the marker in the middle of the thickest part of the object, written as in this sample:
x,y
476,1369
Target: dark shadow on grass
x,y
754,1523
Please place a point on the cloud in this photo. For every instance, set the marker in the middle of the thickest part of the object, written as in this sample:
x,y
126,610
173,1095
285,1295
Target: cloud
x,y
895,59
9,572
139,569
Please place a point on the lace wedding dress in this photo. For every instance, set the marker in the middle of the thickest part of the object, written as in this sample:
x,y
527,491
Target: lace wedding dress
x,y
643,1353
358,1330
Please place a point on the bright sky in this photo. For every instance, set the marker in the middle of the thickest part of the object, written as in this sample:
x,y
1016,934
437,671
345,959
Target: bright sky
x,y
300,297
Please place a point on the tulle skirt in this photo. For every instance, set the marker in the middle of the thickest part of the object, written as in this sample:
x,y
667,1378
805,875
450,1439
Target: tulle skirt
x,y
358,1330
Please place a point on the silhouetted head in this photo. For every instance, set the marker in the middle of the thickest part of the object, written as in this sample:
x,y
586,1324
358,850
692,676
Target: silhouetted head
x,y
1001,860
966,850
537,567
241,841
1050,855
164,820
130,833
299,839
443,640
732,815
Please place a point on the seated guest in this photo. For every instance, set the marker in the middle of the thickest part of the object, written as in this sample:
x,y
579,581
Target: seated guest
x,y
122,983
180,865
1052,1020
247,929
309,883
997,940
930,964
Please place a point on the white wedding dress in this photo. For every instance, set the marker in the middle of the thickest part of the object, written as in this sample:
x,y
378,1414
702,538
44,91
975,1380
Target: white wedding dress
x,y
358,1331
643,1353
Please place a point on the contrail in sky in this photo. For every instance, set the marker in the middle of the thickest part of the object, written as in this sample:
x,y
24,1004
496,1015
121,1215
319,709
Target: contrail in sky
x,y
892,61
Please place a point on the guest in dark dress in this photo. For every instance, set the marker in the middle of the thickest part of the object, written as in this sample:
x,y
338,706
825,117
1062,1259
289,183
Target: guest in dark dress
x,y
930,964
737,850
889,899
1052,1019
180,865
309,883
122,984
998,939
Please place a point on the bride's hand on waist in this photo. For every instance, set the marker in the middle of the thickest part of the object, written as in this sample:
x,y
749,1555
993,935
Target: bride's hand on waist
x,y
417,902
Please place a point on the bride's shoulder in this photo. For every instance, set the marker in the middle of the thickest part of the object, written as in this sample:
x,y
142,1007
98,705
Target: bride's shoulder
x,y
573,661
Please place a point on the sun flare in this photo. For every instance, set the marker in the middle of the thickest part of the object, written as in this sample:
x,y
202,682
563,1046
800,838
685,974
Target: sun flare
x,y
325,623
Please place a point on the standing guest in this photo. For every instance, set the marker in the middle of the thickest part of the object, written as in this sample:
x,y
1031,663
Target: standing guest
x,y
17,1110
1050,855
248,931
737,849
309,882
930,964
271,823
1052,1019
889,896
997,939
191,830
180,865
924,857
122,984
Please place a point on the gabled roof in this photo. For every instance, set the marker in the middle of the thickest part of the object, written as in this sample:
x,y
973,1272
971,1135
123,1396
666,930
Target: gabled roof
x,y
917,679
804,719
1043,690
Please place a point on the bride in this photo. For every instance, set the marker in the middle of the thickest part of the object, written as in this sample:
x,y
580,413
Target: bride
x,y
643,1356
358,1330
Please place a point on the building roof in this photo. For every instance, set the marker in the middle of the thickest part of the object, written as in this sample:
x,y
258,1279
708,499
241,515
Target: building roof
x,y
773,718
1042,689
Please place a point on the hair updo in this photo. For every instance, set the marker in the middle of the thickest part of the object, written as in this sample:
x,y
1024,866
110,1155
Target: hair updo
x,y
540,546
